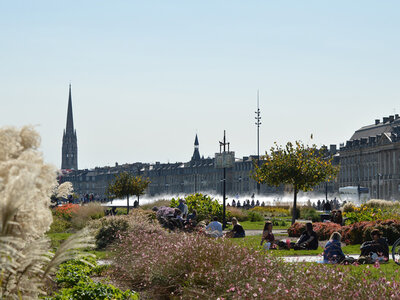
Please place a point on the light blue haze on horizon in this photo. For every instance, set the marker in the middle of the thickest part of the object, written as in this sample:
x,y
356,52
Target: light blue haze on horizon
x,y
148,75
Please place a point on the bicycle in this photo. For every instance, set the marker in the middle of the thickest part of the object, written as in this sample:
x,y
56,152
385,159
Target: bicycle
x,y
396,251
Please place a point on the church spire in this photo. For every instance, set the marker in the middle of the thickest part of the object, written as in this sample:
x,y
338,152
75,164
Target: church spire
x,y
69,159
196,153
70,119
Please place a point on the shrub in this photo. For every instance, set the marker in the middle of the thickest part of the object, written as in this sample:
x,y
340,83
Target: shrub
x,y
94,291
255,216
309,213
110,226
59,225
205,206
65,211
85,213
277,222
158,203
272,211
349,207
74,275
377,203
323,230
240,214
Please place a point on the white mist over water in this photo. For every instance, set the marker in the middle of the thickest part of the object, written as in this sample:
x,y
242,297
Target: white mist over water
x,y
270,200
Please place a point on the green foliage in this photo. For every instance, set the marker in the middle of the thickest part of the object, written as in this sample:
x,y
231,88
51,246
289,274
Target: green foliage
x,y
309,213
205,206
108,230
125,185
300,166
255,216
240,214
74,275
94,291
74,271
59,224
367,213
57,238
272,211
297,215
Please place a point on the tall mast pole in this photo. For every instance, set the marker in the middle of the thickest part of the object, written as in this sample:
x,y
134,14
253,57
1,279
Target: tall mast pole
x,y
258,123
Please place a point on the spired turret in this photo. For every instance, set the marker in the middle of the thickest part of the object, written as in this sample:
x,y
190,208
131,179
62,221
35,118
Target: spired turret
x,y
69,159
196,153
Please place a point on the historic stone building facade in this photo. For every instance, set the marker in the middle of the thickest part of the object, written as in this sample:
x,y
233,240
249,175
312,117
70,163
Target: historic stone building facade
x,y
371,158
69,158
197,175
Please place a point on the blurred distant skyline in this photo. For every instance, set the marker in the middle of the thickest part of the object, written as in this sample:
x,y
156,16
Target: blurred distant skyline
x,y
148,75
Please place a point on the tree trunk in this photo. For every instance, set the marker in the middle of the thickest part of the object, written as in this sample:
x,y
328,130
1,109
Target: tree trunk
x,y
294,210
127,202
138,200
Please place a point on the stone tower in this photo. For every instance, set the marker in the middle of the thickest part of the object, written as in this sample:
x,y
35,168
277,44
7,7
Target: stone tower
x,y
196,153
69,146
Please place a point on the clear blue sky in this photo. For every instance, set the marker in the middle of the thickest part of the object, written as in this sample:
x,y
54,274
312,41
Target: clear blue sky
x,y
148,75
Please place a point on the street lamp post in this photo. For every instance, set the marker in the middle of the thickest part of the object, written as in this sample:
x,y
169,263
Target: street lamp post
x,y
377,187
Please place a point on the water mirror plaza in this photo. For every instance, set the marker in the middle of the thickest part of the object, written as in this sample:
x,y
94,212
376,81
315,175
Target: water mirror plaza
x,y
199,150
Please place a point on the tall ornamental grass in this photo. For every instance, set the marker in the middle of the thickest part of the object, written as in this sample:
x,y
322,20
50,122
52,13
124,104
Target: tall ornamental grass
x,y
25,188
162,265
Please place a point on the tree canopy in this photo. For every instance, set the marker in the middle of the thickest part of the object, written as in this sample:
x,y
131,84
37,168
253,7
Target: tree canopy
x,y
125,184
298,165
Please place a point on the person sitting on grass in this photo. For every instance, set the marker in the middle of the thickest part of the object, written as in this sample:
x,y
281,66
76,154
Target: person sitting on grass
x,y
268,236
237,231
375,250
308,240
214,229
333,253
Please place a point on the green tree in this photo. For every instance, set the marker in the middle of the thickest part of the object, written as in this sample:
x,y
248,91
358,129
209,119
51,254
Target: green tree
x,y
300,166
124,185
140,186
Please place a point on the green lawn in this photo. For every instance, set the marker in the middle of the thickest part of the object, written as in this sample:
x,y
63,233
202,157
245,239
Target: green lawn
x,y
58,238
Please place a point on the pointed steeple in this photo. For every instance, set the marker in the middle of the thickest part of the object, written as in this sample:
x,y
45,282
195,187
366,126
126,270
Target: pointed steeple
x,y
196,153
70,119
69,159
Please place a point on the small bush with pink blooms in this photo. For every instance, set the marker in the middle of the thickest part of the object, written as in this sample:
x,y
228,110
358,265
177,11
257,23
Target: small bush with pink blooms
x,y
162,265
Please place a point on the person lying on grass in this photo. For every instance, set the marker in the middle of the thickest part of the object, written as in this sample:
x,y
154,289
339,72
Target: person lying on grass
x,y
237,231
333,253
268,236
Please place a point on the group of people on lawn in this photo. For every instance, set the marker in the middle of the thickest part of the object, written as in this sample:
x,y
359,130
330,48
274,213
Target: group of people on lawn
x,y
371,251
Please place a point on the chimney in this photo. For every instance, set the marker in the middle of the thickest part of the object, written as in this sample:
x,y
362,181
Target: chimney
x,y
396,116
377,121
391,119
385,119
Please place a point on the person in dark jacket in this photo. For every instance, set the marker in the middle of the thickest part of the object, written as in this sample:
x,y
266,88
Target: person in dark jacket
x,y
237,231
308,240
377,249
333,253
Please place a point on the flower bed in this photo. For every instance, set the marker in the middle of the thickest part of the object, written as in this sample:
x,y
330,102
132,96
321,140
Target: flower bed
x,y
356,233
189,266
